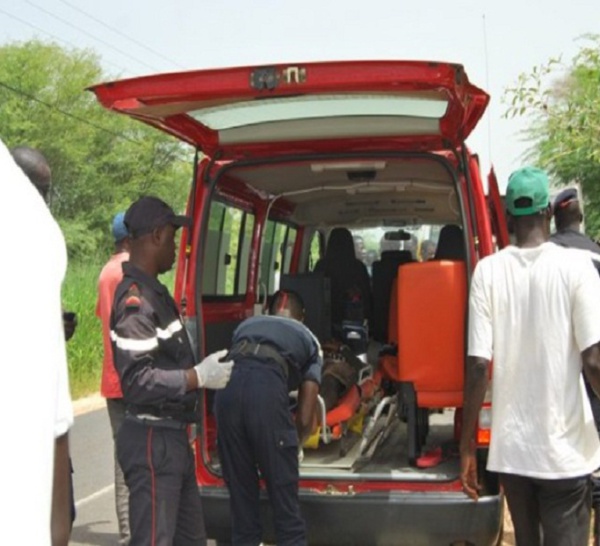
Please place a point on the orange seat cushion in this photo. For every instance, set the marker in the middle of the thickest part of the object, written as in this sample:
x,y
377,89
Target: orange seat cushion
x,y
431,303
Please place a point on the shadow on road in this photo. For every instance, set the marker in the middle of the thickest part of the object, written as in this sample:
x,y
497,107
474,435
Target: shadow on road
x,y
86,535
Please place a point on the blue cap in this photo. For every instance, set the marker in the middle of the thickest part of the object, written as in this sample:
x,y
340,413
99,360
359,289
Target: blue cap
x,y
119,230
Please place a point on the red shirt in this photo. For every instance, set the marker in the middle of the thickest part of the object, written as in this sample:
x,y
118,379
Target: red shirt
x,y
110,277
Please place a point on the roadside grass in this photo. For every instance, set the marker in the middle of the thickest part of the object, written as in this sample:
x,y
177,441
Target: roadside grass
x,y
84,350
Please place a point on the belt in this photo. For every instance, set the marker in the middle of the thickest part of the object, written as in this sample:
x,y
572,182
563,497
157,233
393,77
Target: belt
x,y
153,421
260,350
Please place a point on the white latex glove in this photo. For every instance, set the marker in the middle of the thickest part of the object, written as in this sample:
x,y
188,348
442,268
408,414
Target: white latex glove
x,y
213,374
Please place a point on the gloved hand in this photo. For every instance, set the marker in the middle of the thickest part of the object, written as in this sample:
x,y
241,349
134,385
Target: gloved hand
x,y
300,454
213,374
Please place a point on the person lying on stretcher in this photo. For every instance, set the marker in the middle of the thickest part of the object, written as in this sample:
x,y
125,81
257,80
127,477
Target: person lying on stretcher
x,y
341,368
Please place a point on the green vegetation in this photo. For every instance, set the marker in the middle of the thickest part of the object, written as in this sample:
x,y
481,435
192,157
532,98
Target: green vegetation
x,y
100,162
85,347
561,101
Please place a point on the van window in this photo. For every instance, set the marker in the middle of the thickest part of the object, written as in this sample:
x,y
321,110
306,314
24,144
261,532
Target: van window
x,y
315,251
227,251
277,250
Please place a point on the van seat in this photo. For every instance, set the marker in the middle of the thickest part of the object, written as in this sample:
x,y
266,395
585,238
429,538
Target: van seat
x,y
431,303
383,276
427,333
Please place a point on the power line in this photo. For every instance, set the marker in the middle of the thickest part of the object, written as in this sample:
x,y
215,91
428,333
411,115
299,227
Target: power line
x,y
65,113
65,22
122,34
39,29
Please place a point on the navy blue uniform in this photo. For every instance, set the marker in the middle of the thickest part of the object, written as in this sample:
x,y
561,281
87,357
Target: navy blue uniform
x,y
256,431
152,351
571,238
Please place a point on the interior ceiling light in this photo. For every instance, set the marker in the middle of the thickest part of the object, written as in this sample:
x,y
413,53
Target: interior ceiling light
x,y
348,166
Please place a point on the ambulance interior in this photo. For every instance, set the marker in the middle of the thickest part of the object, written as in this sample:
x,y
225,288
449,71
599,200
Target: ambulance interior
x,y
406,214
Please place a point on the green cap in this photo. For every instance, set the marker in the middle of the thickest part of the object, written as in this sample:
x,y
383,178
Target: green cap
x,y
527,183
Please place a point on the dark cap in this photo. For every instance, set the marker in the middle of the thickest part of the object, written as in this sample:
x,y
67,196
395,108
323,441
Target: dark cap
x,y
148,213
564,198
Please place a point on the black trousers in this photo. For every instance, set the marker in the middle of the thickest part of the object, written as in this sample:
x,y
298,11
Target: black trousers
x,y
164,502
256,434
549,512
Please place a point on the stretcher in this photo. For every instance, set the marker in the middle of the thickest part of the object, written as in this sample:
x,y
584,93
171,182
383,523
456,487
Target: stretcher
x,y
351,413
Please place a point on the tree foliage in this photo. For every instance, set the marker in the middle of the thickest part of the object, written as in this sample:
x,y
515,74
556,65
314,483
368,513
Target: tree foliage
x,y
561,101
100,161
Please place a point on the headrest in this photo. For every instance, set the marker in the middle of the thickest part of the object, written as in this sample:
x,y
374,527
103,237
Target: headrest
x,y
396,256
451,244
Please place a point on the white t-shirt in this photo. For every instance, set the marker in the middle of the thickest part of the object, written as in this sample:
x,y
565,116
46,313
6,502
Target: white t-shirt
x,y
534,311
35,406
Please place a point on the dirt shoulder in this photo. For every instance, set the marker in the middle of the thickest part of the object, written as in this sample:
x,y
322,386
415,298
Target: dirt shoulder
x,y
89,403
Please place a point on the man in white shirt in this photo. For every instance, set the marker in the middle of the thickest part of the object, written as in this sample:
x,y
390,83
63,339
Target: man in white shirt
x,y
36,403
534,309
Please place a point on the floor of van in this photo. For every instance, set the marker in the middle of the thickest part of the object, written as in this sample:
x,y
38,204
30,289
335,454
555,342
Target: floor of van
x,y
389,459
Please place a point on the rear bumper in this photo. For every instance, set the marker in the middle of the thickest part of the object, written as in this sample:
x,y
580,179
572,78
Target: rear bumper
x,y
381,519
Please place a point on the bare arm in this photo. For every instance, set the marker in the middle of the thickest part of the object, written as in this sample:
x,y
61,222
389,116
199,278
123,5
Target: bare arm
x,y
591,366
476,382
307,402
61,493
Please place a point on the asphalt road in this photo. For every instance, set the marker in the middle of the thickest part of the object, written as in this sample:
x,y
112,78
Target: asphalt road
x,y
91,453
92,456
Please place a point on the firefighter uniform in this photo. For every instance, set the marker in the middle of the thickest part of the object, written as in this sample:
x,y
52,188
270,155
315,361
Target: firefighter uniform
x,y
152,352
256,432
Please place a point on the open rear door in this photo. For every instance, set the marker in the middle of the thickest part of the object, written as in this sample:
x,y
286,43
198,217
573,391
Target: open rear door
x,y
497,214
251,112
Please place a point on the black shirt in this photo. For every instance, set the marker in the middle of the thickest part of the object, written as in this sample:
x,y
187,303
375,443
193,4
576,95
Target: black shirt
x,y
571,238
151,348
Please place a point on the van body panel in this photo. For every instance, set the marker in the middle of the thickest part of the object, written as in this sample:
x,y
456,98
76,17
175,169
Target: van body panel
x,y
377,519
497,209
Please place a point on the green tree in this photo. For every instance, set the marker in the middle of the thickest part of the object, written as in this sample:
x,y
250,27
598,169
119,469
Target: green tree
x,y
100,161
561,101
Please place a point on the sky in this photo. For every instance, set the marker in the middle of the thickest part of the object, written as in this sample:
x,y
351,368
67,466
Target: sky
x,y
494,40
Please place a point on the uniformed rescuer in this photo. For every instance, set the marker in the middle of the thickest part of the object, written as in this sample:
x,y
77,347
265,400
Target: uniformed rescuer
x,y
273,355
160,381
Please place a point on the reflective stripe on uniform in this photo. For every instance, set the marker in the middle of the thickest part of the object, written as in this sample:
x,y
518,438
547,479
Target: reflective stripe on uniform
x,y
128,344
170,330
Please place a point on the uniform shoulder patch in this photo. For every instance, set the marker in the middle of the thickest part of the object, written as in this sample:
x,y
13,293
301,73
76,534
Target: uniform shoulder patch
x,y
132,298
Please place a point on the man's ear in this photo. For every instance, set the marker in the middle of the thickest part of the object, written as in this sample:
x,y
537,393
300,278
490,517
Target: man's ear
x,y
157,235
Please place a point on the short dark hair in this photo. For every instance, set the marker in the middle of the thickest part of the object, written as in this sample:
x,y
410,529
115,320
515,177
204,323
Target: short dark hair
x,y
568,214
289,300
34,165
